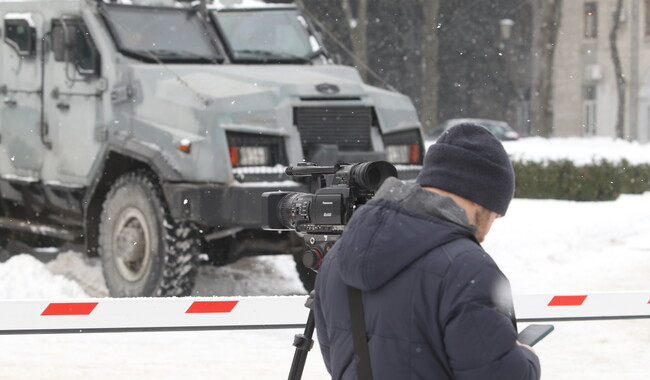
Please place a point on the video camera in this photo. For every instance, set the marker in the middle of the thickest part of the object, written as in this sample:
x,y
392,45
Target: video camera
x,y
322,216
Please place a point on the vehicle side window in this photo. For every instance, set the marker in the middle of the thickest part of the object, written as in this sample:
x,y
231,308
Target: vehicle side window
x,y
21,36
71,42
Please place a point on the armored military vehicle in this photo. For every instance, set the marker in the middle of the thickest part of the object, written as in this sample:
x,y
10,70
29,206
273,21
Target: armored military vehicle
x,y
149,130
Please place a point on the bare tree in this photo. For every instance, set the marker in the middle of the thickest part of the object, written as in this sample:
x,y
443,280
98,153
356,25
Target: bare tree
x,y
618,70
429,64
547,15
358,24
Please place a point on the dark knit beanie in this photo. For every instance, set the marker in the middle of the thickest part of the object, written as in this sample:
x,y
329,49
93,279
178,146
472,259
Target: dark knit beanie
x,y
469,161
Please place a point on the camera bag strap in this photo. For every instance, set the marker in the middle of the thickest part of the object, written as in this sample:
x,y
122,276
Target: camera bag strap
x,y
359,338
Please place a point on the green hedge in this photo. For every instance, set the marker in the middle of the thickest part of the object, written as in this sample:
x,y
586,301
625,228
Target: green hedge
x,y
598,181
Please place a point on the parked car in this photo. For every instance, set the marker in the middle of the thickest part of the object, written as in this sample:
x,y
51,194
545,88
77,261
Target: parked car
x,y
500,129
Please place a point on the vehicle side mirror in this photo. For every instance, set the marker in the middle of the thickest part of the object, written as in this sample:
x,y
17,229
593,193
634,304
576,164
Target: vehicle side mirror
x,y
60,46
71,43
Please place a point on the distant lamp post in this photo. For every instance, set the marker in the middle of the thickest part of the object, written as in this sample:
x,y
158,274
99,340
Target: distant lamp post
x,y
506,25
513,77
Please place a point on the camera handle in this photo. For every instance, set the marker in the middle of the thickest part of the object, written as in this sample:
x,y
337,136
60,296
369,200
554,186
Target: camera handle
x,y
303,343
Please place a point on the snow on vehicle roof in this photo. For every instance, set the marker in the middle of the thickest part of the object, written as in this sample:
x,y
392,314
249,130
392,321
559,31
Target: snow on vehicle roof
x,y
227,4
214,4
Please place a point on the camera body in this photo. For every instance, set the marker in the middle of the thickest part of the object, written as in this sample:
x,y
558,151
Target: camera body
x,y
322,216
324,212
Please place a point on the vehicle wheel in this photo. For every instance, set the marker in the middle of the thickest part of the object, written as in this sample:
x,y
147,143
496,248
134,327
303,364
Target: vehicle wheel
x,y
144,252
307,276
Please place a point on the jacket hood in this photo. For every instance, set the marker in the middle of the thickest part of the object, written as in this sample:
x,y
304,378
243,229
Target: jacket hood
x,y
389,233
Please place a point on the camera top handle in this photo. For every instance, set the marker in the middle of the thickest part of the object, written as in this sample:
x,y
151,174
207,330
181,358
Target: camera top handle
x,y
306,169
310,169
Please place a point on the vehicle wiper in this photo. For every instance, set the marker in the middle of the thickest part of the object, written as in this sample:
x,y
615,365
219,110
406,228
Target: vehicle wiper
x,y
266,55
315,54
173,54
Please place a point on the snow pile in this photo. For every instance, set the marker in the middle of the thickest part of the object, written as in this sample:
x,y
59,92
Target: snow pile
x,y
581,151
250,276
23,276
72,275
81,269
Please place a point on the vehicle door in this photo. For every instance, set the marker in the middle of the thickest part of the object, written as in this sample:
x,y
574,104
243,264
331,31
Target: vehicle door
x,y
22,141
73,93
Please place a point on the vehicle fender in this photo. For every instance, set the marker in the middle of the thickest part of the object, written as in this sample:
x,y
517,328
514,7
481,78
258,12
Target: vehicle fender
x,y
148,153
120,156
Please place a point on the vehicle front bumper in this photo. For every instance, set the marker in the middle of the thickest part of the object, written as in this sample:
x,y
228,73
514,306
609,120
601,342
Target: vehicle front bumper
x,y
223,206
238,204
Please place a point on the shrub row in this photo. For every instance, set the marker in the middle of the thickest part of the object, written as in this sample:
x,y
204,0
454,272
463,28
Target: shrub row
x,y
598,181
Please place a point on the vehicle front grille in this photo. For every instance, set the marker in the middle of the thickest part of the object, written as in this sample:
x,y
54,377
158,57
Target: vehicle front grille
x,y
346,127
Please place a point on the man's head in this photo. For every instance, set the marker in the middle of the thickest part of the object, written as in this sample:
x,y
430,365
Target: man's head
x,y
469,161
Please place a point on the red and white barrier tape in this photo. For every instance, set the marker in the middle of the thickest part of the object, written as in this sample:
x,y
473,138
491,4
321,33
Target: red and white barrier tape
x,y
175,314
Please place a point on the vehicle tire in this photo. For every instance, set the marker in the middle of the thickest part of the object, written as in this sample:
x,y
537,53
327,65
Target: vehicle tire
x,y
307,276
144,252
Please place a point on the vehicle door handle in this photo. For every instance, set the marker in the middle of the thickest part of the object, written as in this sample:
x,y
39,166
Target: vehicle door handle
x,y
10,102
63,106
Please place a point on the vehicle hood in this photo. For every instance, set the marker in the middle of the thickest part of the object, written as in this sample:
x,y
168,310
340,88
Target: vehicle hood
x,y
260,96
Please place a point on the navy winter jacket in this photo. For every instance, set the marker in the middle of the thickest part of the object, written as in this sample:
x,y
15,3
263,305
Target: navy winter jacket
x,y
436,305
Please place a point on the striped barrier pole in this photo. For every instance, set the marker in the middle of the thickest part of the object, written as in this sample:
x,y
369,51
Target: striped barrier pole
x,y
151,314
235,313
582,306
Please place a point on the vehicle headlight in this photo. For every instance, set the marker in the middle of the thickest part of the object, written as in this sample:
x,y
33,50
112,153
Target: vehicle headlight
x,y
249,155
403,147
255,150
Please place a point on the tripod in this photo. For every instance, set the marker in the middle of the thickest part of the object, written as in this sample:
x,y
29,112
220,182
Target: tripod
x,y
303,343
312,258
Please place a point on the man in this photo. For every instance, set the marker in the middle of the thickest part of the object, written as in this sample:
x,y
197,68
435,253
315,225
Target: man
x,y
436,305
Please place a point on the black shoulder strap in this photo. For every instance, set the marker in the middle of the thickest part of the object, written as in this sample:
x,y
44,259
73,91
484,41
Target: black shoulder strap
x,y
361,354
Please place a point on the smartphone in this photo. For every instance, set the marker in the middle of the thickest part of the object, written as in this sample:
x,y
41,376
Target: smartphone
x,y
533,334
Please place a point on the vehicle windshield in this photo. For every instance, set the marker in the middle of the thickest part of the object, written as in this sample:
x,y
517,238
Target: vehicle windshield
x,y
280,35
160,34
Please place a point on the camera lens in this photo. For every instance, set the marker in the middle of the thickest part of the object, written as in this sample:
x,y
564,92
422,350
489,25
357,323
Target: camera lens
x,y
370,175
294,208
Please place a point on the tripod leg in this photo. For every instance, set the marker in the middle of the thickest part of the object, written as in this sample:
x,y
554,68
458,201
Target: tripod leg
x,y
303,343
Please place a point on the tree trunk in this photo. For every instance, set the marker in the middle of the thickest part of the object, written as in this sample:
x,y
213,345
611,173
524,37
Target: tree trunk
x,y
547,15
358,24
618,70
429,65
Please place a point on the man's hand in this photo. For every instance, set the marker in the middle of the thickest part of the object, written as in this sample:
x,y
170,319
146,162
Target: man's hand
x,y
527,346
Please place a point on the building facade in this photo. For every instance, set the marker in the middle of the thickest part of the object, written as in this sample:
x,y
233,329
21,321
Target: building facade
x,y
585,97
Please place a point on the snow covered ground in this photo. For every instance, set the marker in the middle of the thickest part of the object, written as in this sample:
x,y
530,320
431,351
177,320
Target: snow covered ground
x,y
543,246
578,150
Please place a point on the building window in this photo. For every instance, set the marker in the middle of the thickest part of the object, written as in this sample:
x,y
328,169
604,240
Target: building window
x,y
589,110
591,20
